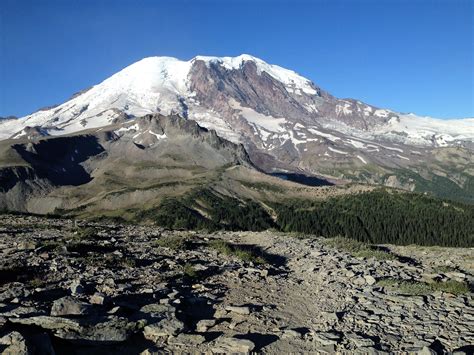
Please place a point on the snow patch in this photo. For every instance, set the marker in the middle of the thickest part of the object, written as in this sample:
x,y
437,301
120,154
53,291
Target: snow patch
x,y
158,136
325,135
402,157
126,129
269,123
344,109
361,159
356,144
337,151
392,148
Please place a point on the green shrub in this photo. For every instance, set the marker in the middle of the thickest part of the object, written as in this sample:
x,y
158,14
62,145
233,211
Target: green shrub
x,y
172,242
189,271
244,253
359,249
36,282
451,286
441,269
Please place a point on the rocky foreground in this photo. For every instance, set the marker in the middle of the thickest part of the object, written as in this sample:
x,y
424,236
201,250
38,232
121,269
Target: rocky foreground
x,y
71,287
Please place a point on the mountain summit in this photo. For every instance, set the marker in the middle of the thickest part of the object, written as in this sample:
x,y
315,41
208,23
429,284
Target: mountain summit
x,y
285,121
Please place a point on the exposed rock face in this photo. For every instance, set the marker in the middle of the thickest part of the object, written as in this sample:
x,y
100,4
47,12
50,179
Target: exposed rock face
x,y
308,297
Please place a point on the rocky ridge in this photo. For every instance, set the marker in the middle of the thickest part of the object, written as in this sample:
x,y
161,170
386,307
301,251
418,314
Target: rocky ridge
x,y
81,287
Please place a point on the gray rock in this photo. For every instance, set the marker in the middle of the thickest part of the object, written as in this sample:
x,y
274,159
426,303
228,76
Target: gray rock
x,y
426,351
69,306
112,330
50,323
159,310
326,338
228,345
15,290
359,281
290,333
204,324
243,310
15,344
360,341
163,328
330,317
152,351
457,275
186,339
370,280
97,298
368,351
350,274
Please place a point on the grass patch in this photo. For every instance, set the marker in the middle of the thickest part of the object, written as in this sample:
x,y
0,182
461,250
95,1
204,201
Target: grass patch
x,y
451,286
359,249
261,186
172,242
189,271
244,253
52,245
417,288
36,282
441,269
86,232
127,262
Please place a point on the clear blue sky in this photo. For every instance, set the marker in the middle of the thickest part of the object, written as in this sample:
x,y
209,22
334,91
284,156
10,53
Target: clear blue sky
x,y
407,55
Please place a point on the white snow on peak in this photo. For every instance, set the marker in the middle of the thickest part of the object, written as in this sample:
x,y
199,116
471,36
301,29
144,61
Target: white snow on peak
x,y
151,75
160,84
150,85
153,84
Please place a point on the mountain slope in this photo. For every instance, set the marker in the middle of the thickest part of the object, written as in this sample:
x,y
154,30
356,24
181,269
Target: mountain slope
x,y
284,121
170,171
70,171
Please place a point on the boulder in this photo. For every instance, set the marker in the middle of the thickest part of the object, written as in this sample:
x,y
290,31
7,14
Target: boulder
x,y
97,298
204,324
326,338
290,333
163,328
110,329
15,344
370,280
186,339
227,345
426,351
243,310
69,306
360,341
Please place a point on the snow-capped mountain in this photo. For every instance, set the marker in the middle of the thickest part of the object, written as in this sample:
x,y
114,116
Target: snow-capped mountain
x,y
284,120
168,85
